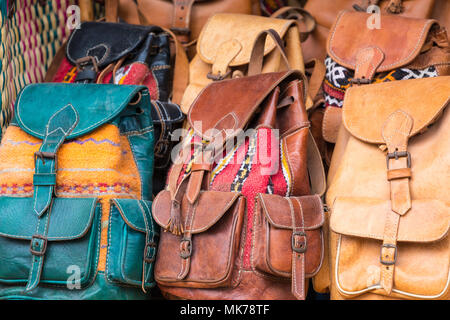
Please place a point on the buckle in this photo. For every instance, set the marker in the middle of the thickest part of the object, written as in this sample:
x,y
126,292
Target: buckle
x,y
301,247
183,253
42,250
44,155
391,246
84,62
161,148
218,77
148,246
395,155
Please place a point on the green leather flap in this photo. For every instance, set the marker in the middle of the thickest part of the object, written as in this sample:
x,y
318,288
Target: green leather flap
x,y
132,213
95,104
69,218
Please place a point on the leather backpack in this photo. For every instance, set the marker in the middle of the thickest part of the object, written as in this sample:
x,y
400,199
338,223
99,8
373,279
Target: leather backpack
x,y
75,205
325,12
239,226
98,52
389,235
224,51
358,55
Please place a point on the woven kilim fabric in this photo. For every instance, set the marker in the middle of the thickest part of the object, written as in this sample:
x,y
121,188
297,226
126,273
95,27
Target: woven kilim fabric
x,y
247,168
337,79
30,37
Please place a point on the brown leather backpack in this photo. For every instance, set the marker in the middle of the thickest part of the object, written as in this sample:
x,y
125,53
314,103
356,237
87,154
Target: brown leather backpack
x,y
388,193
235,231
358,55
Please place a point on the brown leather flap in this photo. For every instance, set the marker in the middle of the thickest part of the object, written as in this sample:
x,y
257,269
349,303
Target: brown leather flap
x,y
225,27
366,108
209,208
238,100
278,210
427,221
399,38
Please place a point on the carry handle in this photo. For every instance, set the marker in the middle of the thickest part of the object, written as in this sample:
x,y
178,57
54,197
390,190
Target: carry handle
x,y
305,21
86,10
257,55
112,10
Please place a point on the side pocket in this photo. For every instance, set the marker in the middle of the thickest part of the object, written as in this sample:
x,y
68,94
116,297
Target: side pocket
x,y
132,243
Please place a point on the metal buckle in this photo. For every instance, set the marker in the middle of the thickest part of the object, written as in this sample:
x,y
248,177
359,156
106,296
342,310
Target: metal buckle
x,y
41,252
218,77
161,148
183,253
388,263
395,155
87,61
302,247
148,246
44,155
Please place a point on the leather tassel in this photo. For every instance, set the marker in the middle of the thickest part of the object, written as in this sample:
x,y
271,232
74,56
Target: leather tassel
x,y
174,225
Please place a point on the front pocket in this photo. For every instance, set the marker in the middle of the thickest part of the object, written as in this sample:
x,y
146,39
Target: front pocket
x,y
72,240
421,270
204,257
132,243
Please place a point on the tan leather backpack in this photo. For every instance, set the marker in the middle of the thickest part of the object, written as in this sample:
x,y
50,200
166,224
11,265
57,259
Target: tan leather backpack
x,y
224,51
388,193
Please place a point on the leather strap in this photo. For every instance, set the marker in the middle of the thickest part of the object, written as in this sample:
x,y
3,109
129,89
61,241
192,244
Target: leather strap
x,y
316,79
59,126
181,19
395,132
111,10
316,169
150,245
86,10
186,243
257,55
367,62
299,247
305,21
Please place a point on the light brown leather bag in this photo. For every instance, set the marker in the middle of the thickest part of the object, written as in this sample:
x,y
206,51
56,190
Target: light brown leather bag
x,y
213,248
358,55
224,51
325,12
388,193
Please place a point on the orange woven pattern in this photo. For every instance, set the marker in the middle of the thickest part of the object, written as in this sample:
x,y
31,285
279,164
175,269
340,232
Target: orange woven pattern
x,y
99,164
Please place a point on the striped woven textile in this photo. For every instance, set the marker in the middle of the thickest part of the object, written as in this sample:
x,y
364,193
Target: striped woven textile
x,y
30,37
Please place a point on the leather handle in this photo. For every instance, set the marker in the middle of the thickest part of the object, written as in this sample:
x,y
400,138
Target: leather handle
x,y
257,55
305,21
86,10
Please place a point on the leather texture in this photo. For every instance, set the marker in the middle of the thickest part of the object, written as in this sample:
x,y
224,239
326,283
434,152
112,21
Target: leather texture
x,y
389,237
225,45
362,56
60,214
201,207
288,241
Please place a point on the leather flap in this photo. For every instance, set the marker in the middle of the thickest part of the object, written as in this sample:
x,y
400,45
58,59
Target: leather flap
x,y
209,208
169,113
70,218
278,210
95,104
399,38
238,99
108,42
366,108
133,211
427,221
226,27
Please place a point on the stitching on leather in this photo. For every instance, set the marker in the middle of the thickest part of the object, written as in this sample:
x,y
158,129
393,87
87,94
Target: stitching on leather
x,y
396,62
105,55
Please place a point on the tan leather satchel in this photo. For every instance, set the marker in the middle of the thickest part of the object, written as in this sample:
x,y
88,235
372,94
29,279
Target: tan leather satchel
x,y
215,210
388,193
224,51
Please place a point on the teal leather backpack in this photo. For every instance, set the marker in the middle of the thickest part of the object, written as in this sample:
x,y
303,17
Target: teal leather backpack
x,y
76,167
